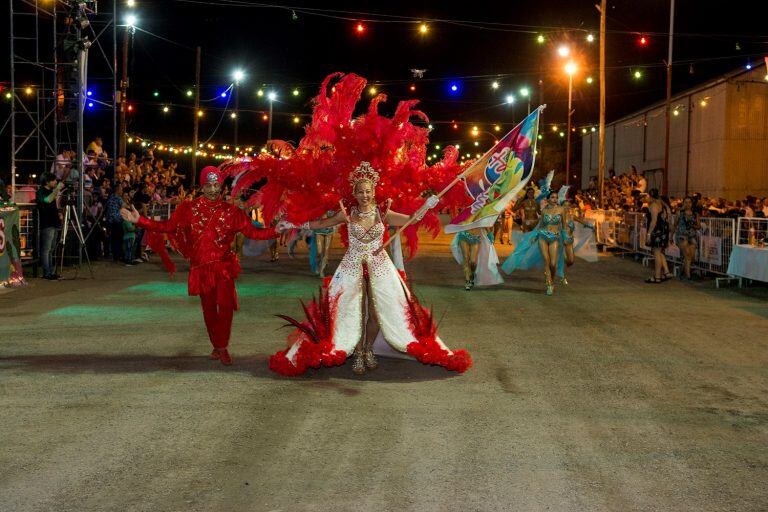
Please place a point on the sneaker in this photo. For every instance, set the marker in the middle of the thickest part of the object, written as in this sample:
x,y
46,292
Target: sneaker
x,y
129,265
137,261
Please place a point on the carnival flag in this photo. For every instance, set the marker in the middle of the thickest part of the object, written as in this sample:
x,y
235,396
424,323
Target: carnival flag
x,y
496,177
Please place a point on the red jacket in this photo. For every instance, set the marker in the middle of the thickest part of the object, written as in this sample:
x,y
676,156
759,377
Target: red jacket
x,y
203,231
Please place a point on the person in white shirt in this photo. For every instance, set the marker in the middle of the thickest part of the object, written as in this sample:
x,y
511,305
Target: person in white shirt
x,y
642,184
62,163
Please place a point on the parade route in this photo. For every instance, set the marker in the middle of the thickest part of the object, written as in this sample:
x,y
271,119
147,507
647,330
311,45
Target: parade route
x,y
611,395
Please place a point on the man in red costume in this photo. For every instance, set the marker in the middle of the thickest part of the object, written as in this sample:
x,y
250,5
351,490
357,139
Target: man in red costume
x,y
203,230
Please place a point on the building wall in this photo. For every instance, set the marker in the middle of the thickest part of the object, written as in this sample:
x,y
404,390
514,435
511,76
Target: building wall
x,y
706,172
629,143
746,144
718,141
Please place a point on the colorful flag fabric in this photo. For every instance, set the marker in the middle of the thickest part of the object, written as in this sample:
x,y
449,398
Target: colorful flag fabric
x,y
495,178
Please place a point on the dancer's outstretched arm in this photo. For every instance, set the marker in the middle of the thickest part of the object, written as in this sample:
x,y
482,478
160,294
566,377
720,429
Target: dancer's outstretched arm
x,y
396,219
339,218
244,225
178,218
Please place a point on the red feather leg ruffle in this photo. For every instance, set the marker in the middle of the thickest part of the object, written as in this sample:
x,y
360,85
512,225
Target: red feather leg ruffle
x,y
315,338
426,349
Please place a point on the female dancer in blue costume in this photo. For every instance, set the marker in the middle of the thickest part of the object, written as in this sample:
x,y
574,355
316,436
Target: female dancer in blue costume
x,y
546,237
567,235
473,249
321,243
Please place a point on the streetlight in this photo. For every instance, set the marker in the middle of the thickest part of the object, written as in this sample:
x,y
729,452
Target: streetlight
x,y
271,96
570,69
525,93
237,75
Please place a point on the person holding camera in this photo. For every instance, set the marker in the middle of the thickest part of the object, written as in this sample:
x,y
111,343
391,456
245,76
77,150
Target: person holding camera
x,y
49,221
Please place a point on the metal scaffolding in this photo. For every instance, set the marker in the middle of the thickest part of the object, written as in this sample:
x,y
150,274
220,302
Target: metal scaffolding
x,y
49,47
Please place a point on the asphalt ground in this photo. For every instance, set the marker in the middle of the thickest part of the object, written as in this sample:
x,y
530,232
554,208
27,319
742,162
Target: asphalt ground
x,y
611,395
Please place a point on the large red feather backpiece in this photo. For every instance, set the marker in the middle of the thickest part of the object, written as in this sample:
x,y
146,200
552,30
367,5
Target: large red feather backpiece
x,y
305,182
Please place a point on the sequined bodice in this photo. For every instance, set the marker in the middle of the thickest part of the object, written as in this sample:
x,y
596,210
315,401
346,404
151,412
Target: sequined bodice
x,y
551,220
360,236
363,243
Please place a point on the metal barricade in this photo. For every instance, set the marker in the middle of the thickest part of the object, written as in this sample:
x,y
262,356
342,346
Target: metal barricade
x,y
715,244
752,231
627,231
160,211
618,229
627,228
28,233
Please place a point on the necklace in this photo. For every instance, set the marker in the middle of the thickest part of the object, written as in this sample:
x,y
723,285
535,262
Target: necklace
x,y
365,215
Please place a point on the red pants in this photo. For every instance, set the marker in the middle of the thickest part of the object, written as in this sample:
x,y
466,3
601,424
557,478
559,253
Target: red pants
x,y
219,305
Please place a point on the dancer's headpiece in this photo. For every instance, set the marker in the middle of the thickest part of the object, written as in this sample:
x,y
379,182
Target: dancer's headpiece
x,y
363,172
211,174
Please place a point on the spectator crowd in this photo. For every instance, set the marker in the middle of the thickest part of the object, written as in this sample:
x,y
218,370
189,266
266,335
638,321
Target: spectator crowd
x,y
627,191
148,183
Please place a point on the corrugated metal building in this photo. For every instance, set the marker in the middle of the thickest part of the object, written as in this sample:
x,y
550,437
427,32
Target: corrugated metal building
x,y
718,139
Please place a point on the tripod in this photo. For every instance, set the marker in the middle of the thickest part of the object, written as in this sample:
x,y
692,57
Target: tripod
x,y
71,220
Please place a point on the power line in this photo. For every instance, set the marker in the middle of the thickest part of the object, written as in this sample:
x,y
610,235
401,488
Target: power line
x,y
482,25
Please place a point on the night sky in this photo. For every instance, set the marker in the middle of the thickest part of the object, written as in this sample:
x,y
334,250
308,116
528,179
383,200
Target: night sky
x,y
281,53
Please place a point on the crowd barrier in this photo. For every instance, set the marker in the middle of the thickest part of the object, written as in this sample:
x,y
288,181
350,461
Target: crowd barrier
x,y
158,211
626,232
752,231
28,233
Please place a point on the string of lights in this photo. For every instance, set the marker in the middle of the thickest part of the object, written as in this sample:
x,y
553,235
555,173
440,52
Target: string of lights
x,y
371,17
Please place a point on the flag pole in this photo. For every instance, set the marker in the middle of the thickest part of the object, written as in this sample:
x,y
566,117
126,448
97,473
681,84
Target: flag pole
x,y
445,190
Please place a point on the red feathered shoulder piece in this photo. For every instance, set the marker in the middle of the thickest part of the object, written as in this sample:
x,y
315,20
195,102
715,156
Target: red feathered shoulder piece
x,y
305,182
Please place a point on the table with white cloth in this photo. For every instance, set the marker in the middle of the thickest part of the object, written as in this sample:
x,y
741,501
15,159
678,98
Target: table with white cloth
x,y
749,262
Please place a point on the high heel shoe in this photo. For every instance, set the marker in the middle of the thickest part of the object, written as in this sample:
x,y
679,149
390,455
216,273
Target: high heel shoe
x,y
370,360
358,362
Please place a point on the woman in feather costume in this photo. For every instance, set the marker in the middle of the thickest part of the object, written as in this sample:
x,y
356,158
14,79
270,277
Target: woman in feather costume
x,y
346,158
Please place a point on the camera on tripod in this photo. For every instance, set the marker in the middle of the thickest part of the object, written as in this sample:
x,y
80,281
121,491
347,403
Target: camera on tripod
x,y
68,196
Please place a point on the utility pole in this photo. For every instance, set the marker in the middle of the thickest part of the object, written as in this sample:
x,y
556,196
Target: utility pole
x,y
124,93
196,124
568,132
237,107
601,145
665,177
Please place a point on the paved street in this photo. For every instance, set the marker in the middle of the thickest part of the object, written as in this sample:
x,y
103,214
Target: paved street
x,y
612,395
